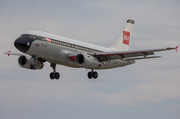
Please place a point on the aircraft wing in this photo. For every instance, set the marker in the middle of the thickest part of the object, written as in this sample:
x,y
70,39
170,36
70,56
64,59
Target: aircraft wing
x,y
123,55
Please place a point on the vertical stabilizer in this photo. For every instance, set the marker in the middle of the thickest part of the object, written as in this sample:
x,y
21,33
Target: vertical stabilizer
x,y
123,40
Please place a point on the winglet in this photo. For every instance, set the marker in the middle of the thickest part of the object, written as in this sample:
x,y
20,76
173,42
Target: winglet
x,y
176,48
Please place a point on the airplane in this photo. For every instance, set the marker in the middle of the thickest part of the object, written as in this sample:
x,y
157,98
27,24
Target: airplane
x,y
40,47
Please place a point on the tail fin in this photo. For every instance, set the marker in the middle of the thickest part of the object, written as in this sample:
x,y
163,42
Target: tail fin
x,y
123,40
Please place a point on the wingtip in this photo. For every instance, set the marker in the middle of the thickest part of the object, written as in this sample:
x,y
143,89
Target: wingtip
x,y
176,48
8,53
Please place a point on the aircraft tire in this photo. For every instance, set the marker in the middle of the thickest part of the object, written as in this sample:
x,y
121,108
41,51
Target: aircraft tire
x,y
89,75
94,75
52,75
32,66
57,75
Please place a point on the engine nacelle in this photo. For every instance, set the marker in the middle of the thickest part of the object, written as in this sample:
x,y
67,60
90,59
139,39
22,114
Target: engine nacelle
x,y
25,63
87,61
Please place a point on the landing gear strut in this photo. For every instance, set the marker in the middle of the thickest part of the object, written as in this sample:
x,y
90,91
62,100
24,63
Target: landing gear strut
x,y
33,66
92,74
54,74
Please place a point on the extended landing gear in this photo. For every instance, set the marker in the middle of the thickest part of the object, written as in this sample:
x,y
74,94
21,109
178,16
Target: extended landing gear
x,y
33,66
92,74
54,74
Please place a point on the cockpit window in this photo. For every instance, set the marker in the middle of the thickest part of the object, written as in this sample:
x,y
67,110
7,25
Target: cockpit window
x,y
39,37
34,37
24,36
27,36
20,36
30,36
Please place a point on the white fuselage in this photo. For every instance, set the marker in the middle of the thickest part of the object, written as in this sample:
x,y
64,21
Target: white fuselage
x,y
57,50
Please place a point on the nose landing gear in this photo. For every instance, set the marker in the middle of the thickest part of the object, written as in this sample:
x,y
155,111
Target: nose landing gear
x,y
33,66
54,74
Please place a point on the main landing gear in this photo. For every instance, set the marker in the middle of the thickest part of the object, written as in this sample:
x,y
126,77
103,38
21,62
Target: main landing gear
x,y
92,74
54,74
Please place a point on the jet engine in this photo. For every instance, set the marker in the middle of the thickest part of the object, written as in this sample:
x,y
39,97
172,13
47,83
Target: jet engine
x,y
87,61
26,63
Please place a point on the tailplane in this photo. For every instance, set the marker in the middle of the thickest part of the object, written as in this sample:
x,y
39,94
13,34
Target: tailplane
x,y
123,40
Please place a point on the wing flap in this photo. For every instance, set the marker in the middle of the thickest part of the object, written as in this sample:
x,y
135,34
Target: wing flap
x,y
139,58
128,54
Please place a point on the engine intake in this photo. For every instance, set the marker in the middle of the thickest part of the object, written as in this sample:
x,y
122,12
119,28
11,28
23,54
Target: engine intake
x,y
22,60
87,61
80,59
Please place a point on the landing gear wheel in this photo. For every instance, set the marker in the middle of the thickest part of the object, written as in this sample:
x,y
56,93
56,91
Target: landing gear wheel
x,y
52,75
56,75
32,66
94,75
89,75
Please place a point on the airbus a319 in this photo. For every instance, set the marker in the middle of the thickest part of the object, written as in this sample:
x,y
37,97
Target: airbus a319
x,y
40,47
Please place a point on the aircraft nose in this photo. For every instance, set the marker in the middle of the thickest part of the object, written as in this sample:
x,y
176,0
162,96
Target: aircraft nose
x,y
22,45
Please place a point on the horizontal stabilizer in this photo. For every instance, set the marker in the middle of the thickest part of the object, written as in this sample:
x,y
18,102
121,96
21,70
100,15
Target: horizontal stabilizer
x,y
17,54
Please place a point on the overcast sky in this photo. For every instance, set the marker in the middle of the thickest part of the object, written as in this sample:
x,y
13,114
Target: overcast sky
x,y
148,89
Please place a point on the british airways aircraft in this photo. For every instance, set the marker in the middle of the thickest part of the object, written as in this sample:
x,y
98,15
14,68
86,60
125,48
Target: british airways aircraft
x,y
41,47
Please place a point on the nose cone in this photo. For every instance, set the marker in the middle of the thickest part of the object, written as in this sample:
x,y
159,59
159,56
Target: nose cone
x,y
22,45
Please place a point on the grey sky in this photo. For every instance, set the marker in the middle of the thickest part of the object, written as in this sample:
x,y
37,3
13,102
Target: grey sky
x,y
147,89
